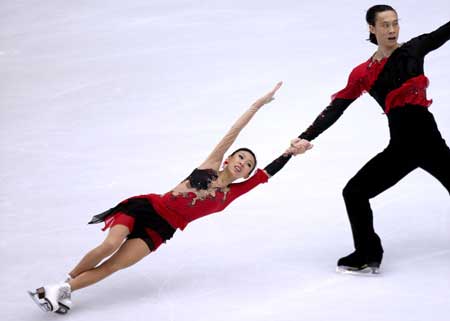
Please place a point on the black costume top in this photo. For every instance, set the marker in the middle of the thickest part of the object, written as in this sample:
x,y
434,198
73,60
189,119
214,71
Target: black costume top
x,y
394,82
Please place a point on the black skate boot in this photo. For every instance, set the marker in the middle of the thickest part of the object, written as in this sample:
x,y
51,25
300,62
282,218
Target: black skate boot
x,y
360,263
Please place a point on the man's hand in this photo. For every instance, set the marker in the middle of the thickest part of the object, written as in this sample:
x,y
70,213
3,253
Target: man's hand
x,y
298,146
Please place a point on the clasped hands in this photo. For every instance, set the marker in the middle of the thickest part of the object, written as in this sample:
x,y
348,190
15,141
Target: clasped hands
x,y
298,146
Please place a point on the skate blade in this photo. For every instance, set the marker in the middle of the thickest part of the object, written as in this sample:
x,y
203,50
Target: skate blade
x,y
366,271
63,309
43,305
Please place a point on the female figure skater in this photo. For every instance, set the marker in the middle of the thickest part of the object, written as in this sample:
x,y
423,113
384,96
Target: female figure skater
x,y
394,76
139,225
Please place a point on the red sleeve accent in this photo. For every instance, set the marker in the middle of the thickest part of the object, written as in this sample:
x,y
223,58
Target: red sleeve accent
x,y
355,84
237,189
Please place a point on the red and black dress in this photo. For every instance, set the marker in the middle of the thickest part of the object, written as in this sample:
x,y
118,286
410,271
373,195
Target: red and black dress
x,y
154,218
399,85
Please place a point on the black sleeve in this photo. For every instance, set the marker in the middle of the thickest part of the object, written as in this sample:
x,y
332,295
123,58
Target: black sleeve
x,y
326,118
433,40
277,164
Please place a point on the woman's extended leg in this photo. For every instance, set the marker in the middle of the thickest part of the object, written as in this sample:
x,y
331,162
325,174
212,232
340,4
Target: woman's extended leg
x,y
129,253
112,242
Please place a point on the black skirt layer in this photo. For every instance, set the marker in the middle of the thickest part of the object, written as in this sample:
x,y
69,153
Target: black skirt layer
x,y
141,209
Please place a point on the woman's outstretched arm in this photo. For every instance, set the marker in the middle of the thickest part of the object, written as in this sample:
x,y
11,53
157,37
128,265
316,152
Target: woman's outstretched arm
x,y
298,146
214,160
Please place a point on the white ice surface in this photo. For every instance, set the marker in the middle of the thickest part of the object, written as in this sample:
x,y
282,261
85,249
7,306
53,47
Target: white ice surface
x,y
102,100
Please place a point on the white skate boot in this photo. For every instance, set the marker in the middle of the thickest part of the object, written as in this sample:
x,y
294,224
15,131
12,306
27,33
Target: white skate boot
x,y
65,300
55,298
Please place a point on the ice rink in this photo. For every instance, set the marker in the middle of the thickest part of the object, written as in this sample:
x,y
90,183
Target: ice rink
x,y
103,100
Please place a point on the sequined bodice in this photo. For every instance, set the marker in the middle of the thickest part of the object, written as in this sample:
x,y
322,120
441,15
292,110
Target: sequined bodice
x,y
200,185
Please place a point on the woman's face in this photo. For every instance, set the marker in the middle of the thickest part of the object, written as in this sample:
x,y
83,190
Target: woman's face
x,y
386,29
240,164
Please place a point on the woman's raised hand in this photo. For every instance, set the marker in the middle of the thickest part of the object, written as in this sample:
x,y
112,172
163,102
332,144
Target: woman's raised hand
x,y
267,98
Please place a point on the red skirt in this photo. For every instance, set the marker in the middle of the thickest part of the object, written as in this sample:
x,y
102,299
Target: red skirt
x,y
141,219
150,237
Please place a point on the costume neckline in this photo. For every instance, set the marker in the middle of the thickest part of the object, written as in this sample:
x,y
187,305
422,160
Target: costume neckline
x,y
372,58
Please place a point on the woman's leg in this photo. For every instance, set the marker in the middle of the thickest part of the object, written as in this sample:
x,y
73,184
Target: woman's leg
x,y
112,242
128,254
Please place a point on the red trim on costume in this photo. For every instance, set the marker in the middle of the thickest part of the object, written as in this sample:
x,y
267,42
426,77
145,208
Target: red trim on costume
x,y
119,218
128,221
412,92
155,237
361,79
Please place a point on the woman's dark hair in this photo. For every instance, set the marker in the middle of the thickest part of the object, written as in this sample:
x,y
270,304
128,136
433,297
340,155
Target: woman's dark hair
x,y
246,150
371,17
